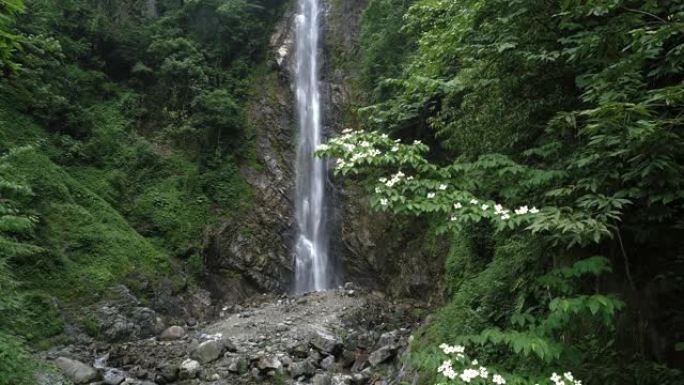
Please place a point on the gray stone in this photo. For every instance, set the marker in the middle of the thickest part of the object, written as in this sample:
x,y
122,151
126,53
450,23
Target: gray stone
x,y
133,381
77,371
324,342
237,365
302,368
321,379
359,378
341,379
207,351
388,338
168,371
228,345
328,363
381,355
113,376
189,369
172,333
269,363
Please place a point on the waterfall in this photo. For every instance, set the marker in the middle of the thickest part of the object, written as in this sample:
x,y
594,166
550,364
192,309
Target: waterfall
x,y
312,267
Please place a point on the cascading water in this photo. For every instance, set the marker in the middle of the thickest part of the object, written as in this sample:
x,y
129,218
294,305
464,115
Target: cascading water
x,y
312,267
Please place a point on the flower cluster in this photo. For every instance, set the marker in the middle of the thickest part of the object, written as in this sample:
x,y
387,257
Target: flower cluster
x,y
497,209
566,379
470,372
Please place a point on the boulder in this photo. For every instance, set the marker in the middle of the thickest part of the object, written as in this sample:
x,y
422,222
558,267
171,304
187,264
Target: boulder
x,y
172,333
324,342
77,371
321,379
207,351
189,369
237,365
381,355
268,363
113,376
341,379
302,368
328,363
168,371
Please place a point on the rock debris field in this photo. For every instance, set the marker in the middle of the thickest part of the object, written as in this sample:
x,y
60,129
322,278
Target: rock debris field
x,y
345,336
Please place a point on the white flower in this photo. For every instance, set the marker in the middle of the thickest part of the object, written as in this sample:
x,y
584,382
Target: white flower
x,y
534,210
557,379
417,142
483,372
442,187
395,148
384,136
323,147
430,195
469,374
497,379
460,356
383,202
397,140
457,205
568,376
504,217
364,144
474,201
474,363
498,208
382,180
409,178
484,207
522,210
378,190
347,131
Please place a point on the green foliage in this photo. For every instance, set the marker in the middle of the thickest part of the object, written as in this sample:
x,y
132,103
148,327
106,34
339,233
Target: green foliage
x,y
8,40
572,107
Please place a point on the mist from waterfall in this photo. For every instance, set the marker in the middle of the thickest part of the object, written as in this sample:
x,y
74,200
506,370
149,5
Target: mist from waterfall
x,y
312,265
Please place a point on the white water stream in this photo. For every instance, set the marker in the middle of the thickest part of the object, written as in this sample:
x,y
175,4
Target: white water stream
x,y
312,265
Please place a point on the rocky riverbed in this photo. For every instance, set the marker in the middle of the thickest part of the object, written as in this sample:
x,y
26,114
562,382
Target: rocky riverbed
x,y
345,336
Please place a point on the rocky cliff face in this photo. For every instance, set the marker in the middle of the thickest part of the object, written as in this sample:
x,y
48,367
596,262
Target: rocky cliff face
x,y
253,253
381,251
374,250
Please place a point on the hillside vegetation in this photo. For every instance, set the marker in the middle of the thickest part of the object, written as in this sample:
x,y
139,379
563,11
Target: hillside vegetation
x,y
122,128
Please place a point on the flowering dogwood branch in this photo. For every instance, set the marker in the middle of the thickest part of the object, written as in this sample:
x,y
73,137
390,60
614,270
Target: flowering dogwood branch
x,y
414,186
459,369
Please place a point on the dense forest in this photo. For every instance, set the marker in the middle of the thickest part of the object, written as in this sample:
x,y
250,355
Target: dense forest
x,y
541,139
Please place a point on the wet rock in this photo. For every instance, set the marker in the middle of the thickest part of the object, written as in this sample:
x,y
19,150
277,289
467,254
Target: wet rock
x,y
207,351
172,333
381,355
328,363
189,369
113,376
77,371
